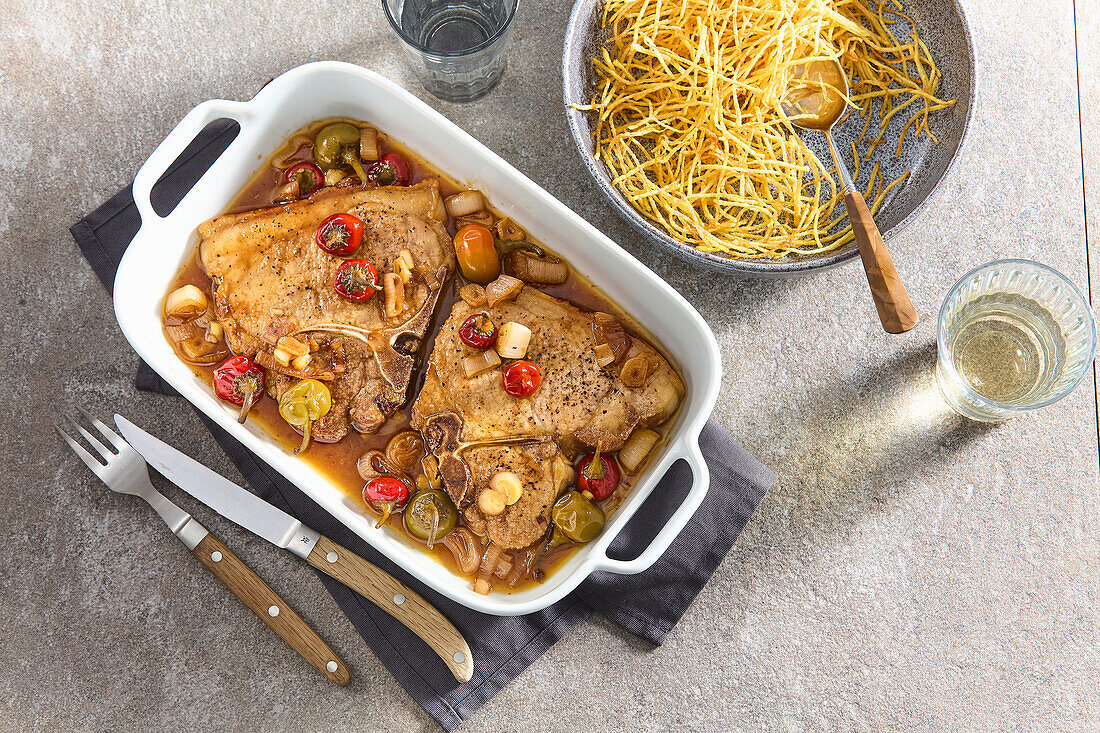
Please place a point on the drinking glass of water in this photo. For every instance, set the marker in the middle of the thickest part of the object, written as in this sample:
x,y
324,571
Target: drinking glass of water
x,y
456,47
1013,336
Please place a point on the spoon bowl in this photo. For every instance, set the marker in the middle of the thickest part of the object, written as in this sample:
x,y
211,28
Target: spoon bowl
x,y
817,95
815,99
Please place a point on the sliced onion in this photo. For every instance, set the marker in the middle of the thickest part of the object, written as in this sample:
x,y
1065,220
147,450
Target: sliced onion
x,y
368,143
185,301
489,561
299,363
484,218
480,362
191,336
287,192
504,287
607,330
282,356
367,466
404,265
521,567
464,547
189,339
637,447
620,343
214,332
405,450
542,270
604,320
293,346
465,203
293,146
324,372
512,340
604,355
504,566
374,463
393,291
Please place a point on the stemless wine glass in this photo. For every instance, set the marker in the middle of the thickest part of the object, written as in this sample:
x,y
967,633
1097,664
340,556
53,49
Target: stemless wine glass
x,y
456,47
1013,336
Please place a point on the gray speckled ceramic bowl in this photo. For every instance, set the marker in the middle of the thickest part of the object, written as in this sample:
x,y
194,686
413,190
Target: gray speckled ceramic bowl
x,y
943,28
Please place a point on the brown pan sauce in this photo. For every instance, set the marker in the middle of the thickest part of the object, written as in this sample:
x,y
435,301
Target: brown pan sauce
x,y
338,461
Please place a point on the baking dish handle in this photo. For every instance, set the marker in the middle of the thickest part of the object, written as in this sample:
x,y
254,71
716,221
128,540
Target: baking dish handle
x,y
700,482
178,139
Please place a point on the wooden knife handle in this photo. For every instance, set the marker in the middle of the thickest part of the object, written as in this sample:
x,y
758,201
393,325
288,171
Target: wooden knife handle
x,y
895,310
272,610
399,601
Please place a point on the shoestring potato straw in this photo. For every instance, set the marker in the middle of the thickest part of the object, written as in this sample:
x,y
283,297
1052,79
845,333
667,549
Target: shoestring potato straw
x,y
691,127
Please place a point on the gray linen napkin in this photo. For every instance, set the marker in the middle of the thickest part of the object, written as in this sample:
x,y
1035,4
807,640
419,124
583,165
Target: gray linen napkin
x,y
649,604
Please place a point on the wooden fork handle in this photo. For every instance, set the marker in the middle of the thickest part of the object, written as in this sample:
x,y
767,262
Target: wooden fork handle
x,y
272,610
398,600
895,310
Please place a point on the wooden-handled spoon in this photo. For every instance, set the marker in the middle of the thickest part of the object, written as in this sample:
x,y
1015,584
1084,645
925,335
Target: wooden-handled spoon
x,y
816,97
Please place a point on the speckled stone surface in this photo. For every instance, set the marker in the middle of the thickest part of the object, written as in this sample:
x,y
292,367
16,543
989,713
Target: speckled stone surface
x,y
1088,77
909,572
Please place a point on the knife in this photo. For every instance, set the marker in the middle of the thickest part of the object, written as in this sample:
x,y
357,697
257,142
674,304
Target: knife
x,y
282,530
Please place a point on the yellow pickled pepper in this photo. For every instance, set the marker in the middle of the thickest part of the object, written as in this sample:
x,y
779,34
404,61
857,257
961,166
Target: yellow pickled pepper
x,y
306,401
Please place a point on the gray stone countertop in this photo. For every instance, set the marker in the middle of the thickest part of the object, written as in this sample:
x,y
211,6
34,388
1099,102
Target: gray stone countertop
x,y
910,571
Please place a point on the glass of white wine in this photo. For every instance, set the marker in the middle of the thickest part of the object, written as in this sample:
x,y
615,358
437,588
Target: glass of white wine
x,y
1013,336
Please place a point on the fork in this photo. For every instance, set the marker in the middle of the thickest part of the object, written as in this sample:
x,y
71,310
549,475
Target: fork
x,y
126,472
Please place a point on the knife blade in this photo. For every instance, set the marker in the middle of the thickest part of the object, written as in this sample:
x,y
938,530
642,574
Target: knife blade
x,y
279,528
219,493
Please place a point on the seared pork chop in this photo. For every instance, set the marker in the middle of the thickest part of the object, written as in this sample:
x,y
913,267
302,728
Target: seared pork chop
x,y
272,282
476,429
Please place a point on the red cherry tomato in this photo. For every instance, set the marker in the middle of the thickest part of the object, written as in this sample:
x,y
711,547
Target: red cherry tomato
x,y
521,379
386,488
239,380
390,170
478,332
310,178
385,494
598,478
477,255
356,280
340,234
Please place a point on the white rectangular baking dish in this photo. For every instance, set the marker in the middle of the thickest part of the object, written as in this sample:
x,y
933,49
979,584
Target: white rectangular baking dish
x,y
329,89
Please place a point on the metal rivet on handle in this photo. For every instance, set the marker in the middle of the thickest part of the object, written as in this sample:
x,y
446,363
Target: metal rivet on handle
x,y
332,557
273,611
459,657
216,556
399,598
332,666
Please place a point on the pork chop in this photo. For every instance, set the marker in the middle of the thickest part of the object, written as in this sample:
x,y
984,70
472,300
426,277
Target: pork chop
x,y
272,282
579,403
544,472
